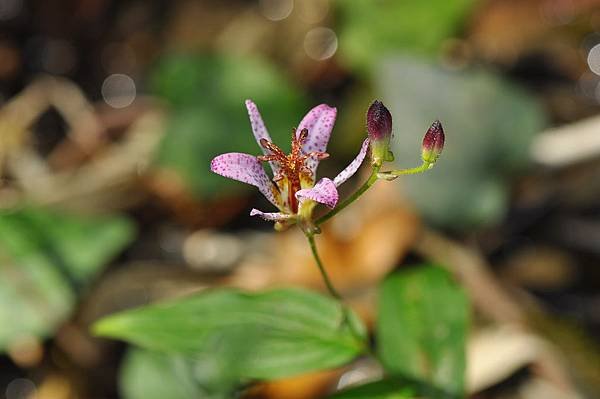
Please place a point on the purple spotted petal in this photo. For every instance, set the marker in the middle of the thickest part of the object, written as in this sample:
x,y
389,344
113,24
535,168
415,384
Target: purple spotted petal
x,y
273,216
323,192
260,131
319,122
354,165
245,168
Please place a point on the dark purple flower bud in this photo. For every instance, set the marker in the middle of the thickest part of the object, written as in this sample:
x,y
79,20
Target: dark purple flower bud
x,y
379,121
379,129
433,143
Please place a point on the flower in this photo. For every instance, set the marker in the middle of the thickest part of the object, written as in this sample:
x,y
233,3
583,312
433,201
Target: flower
x,y
293,188
433,143
379,129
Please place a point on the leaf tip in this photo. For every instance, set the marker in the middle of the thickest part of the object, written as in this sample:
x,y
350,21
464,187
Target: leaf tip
x,y
110,326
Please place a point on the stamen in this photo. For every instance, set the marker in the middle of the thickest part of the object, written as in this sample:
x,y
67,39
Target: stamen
x,y
303,136
266,158
276,153
317,155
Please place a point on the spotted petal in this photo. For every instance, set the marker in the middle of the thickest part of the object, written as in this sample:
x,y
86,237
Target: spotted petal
x,y
319,122
273,216
323,192
353,166
247,169
260,130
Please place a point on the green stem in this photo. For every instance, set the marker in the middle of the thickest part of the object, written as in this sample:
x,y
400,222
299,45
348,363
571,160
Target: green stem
x,y
395,173
335,294
370,181
326,279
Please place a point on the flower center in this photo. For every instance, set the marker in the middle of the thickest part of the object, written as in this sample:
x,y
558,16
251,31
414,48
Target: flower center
x,y
291,166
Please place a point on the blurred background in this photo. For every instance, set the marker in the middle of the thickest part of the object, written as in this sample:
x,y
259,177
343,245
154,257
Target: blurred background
x,y
110,112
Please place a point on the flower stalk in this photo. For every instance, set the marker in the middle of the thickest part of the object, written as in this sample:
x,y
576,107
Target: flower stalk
x,y
346,312
393,174
313,247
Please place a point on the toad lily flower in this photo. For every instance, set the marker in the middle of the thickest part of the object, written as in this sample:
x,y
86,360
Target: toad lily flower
x,y
292,189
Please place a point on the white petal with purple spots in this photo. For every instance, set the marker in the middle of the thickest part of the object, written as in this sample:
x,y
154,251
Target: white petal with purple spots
x,y
245,168
260,130
273,216
319,121
353,166
324,192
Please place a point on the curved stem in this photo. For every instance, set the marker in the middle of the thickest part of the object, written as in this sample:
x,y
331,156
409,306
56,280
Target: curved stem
x,y
370,181
334,293
313,247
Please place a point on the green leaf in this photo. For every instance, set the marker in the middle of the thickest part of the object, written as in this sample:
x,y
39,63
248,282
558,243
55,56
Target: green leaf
x,y
422,327
45,258
274,334
213,374
489,124
151,375
371,29
209,116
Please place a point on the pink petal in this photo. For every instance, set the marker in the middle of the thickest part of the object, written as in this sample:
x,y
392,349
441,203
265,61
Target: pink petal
x,y
259,129
319,121
354,165
324,192
245,168
273,216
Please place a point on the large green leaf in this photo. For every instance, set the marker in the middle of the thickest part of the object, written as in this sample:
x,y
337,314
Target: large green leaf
x,y
45,258
274,334
208,118
371,29
489,124
422,327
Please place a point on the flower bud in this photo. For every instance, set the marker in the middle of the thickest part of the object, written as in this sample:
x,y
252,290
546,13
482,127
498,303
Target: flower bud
x,y
379,129
433,143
